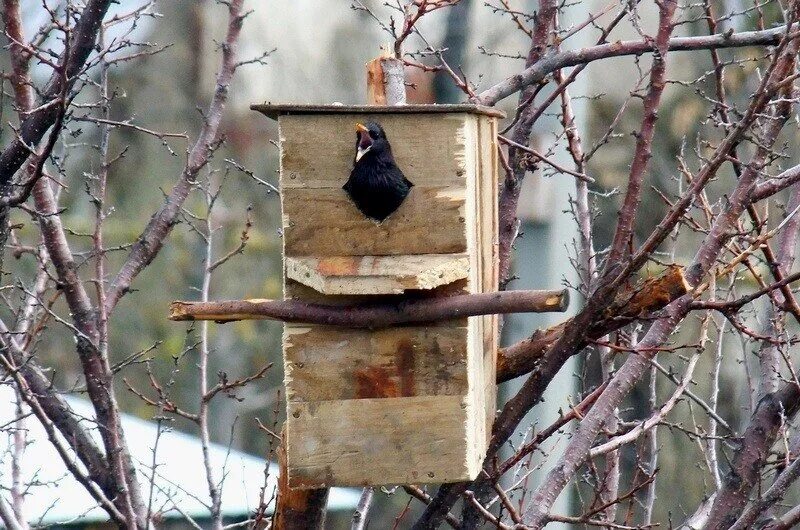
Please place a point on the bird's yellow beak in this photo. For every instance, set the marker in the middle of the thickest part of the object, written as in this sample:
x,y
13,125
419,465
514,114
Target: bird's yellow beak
x,y
364,141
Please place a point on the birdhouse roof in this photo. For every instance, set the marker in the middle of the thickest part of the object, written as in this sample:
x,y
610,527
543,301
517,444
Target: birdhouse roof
x,y
274,110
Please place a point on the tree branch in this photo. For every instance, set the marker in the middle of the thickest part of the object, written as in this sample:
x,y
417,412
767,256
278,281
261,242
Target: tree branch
x,y
753,450
557,60
376,315
647,297
34,125
644,140
152,238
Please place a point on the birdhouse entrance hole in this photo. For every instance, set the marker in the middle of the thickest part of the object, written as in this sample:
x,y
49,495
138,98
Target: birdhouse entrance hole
x,y
407,404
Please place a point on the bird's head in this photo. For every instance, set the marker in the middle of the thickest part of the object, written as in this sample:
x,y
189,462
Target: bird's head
x,y
370,138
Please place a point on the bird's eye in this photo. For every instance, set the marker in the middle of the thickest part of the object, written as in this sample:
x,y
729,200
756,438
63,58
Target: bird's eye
x,y
373,135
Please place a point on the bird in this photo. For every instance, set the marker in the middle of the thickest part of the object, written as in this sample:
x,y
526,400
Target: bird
x,y
376,185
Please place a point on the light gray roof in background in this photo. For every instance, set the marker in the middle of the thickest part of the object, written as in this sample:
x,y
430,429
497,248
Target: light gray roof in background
x,y
180,476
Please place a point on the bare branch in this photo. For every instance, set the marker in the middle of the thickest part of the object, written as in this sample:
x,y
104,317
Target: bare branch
x,y
376,315
557,60
152,238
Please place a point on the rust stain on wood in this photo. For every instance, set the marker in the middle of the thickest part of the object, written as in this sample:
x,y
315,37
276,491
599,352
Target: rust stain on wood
x,y
375,382
385,382
405,367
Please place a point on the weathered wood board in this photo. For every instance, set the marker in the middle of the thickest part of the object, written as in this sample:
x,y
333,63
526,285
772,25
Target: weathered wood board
x,y
368,275
317,150
407,440
327,363
410,404
325,222
489,252
434,152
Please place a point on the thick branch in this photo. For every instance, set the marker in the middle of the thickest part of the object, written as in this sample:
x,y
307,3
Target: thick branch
x,y
647,297
23,95
521,135
556,60
375,315
775,493
152,238
7,516
35,124
749,460
644,142
772,186
386,82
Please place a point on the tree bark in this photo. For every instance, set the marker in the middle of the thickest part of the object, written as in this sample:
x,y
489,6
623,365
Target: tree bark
x,y
297,509
380,315
386,81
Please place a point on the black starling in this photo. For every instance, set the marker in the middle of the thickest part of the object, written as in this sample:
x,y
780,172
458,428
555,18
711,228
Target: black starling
x,y
376,185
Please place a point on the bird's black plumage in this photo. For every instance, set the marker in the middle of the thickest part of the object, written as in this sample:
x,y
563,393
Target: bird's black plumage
x,y
376,185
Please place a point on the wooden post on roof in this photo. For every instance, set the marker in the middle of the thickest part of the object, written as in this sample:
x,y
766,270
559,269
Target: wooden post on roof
x,y
386,83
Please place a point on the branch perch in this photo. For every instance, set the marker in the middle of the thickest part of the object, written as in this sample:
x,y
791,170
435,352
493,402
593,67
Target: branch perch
x,y
376,315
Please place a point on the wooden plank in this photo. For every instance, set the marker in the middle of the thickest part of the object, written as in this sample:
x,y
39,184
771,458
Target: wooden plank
x,y
298,291
488,180
409,440
296,509
275,110
472,214
324,222
479,425
326,363
317,151
372,275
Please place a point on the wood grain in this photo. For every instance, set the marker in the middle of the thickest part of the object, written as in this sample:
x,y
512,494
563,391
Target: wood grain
x,y
317,151
376,88
411,440
326,363
374,275
324,222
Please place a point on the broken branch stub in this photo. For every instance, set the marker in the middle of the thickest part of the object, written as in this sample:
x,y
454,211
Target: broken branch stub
x,y
386,81
648,296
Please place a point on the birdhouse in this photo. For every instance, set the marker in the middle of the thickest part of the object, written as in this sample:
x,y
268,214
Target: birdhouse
x,y
406,404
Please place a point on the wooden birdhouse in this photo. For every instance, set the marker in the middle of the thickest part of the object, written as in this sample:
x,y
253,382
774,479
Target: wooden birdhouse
x,y
408,404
